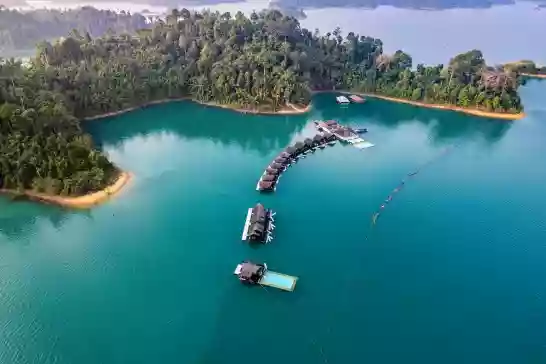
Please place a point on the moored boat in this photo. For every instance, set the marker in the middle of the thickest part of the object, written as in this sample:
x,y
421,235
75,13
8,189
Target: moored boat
x,y
357,99
342,100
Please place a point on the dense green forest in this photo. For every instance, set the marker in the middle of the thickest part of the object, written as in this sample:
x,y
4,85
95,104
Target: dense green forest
x,y
263,61
25,29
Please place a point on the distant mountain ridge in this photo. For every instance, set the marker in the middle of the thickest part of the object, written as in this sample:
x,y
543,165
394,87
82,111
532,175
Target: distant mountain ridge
x,y
20,30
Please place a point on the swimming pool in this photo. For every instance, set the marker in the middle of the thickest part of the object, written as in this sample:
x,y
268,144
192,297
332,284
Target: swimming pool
x,y
278,280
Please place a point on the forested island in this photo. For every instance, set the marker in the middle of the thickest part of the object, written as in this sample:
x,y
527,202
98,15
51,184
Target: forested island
x,y
526,68
24,29
264,62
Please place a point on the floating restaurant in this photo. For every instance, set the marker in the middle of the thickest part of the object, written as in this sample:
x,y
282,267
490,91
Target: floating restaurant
x,y
343,133
259,225
251,273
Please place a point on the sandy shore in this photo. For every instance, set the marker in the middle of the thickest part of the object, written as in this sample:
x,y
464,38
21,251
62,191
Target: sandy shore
x,y
466,110
533,76
80,202
289,109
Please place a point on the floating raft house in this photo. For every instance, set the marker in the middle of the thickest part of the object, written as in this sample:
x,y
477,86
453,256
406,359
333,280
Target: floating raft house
x,y
251,273
259,225
272,174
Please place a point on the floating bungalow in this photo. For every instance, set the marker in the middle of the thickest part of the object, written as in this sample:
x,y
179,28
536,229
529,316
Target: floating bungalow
x,y
356,99
291,151
309,145
342,100
319,140
300,147
251,273
266,186
273,171
269,177
259,225
282,160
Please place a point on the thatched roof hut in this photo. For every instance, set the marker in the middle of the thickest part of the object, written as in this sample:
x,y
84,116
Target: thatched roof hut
x,y
281,160
331,122
309,142
319,138
256,228
291,151
269,177
258,213
276,165
266,185
300,146
284,155
273,171
251,271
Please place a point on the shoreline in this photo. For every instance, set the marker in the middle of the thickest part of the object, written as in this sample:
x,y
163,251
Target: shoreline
x,y
465,110
79,202
541,76
288,109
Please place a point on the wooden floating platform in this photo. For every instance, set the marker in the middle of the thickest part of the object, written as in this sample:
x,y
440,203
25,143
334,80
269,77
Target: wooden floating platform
x,y
247,224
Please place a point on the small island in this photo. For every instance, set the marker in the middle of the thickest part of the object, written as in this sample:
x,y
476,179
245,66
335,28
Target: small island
x,y
527,68
265,63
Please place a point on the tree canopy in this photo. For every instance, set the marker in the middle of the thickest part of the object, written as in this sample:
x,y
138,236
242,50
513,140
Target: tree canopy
x,y
264,61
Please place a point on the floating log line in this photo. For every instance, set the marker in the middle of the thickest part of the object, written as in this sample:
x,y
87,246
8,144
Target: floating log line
x,y
409,176
271,175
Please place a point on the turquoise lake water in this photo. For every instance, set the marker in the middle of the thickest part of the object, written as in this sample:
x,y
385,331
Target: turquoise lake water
x,y
453,272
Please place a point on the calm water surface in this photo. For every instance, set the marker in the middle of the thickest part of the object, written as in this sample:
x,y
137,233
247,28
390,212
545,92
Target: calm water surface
x,y
453,272
503,32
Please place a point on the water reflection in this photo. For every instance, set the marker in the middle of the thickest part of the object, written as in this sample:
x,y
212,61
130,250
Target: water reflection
x,y
444,127
193,121
19,222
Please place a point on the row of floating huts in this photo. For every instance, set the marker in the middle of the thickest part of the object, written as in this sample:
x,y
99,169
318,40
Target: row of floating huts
x,y
270,177
259,223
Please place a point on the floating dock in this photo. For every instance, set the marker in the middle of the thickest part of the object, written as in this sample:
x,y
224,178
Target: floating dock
x,y
278,280
247,224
